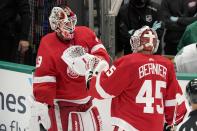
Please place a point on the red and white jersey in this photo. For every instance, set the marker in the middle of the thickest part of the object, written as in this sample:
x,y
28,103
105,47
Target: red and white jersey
x,y
53,79
143,89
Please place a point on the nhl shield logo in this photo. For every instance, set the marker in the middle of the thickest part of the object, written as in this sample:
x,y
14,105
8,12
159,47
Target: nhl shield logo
x,y
149,18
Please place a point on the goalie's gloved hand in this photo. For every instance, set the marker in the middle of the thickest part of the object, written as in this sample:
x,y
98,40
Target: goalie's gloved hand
x,y
77,59
96,66
80,61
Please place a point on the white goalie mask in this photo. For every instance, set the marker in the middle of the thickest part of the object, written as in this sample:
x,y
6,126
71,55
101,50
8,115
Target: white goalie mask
x,y
144,39
63,22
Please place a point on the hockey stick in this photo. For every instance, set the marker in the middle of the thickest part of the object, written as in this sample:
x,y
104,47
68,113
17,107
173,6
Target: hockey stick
x,y
174,117
179,100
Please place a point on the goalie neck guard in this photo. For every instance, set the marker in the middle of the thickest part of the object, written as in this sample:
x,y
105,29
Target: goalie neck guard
x,y
144,39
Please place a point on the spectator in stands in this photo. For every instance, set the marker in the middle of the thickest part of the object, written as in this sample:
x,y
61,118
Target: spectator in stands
x,y
14,28
176,14
40,10
186,59
189,36
191,93
133,16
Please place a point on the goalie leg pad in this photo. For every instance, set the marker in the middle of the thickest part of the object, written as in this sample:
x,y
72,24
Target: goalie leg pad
x,y
85,121
75,122
39,114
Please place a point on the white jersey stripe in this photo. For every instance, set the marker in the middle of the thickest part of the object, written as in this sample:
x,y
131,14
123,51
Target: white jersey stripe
x,y
171,102
96,47
175,102
100,90
78,101
44,79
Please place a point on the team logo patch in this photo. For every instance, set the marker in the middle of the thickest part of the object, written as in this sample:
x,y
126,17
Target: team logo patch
x,y
192,4
71,73
149,18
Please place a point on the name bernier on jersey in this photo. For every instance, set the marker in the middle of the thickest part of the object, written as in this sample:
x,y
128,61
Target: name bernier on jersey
x,y
152,68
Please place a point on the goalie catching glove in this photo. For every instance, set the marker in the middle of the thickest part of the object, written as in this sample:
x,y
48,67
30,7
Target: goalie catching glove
x,y
77,59
82,63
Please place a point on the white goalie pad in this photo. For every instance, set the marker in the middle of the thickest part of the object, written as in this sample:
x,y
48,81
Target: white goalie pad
x,y
39,115
85,121
34,124
78,60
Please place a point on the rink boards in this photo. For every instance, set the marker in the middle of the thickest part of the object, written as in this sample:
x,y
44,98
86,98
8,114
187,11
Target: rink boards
x,y
16,86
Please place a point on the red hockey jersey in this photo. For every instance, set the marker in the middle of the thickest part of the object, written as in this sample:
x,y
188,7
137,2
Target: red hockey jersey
x,y
53,79
143,89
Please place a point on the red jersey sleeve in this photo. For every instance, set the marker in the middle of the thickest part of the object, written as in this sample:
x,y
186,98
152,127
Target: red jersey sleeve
x,y
174,108
44,82
107,84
